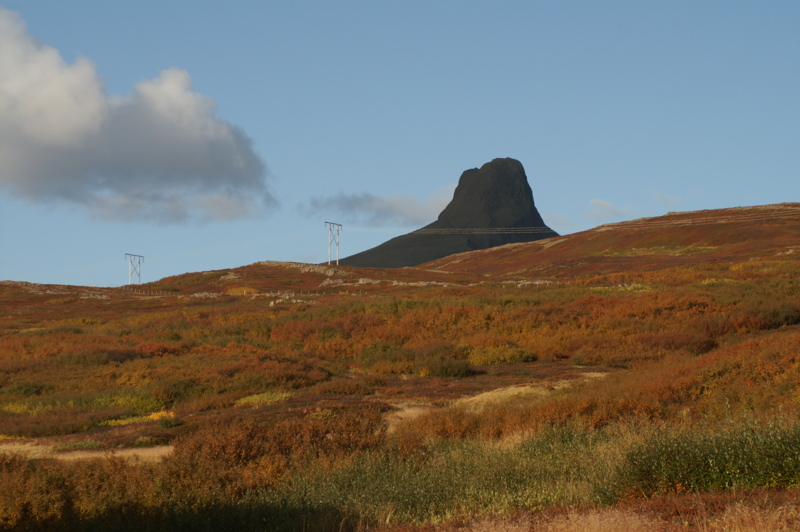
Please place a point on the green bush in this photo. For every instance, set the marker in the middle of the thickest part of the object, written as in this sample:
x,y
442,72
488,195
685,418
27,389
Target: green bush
x,y
440,366
746,456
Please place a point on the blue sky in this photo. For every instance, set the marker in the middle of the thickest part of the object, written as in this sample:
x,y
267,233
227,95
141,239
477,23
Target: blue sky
x,y
209,135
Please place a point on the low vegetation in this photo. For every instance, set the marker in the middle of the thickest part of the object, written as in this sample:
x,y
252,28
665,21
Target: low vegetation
x,y
661,393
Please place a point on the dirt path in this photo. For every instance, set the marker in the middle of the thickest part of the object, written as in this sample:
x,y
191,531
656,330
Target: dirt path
x,y
33,450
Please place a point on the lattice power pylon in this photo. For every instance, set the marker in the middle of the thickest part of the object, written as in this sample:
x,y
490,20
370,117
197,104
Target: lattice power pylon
x,y
333,236
134,267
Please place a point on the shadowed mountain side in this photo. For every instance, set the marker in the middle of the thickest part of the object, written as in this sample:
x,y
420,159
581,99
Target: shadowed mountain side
x,y
491,206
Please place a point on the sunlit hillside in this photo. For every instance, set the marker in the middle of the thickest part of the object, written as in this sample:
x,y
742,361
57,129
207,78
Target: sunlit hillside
x,y
641,372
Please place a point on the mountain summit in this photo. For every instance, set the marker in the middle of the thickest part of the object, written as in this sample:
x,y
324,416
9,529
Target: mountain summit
x,y
491,206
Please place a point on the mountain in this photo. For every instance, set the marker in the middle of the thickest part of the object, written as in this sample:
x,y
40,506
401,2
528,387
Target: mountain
x,y
491,206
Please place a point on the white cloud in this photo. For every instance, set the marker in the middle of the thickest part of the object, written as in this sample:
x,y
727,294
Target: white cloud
x,y
603,210
404,211
161,152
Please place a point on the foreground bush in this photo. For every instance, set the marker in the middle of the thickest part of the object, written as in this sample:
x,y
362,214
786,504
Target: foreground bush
x,y
745,456
334,471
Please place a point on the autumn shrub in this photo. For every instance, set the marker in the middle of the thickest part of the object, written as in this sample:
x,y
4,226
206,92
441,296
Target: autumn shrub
x,y
205,403
389,367
171,391
387,358
441,366
764,315
31,492
300,374
677,341
759,375
344,387
334,434
228,443
112,494
444,423
58,421
713,325
97,357
380,351
28,389
237,441
443,360
156,349
294,331
607,349
486,356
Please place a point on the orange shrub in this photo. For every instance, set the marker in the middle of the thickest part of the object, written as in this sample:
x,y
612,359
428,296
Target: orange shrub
x,y
153,349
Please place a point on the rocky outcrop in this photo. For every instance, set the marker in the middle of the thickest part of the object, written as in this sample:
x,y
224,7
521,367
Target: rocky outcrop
x,y
491,206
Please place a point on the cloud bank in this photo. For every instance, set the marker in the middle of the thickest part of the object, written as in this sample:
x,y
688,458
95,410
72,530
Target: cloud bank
x,y
160,153
369,209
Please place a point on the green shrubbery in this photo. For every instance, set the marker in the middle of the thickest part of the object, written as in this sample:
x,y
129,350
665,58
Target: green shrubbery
x,y
744,456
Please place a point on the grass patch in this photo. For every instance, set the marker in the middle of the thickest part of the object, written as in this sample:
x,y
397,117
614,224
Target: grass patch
x,y
262,399
162,416
85,445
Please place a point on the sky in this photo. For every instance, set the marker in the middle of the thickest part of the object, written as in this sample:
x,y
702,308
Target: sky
x,y
206,135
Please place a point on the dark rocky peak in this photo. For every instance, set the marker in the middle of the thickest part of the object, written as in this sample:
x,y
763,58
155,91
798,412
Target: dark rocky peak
x,y
491,206
497,195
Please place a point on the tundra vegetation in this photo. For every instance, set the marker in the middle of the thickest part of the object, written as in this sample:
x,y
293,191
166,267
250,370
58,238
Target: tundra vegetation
x,y
643,376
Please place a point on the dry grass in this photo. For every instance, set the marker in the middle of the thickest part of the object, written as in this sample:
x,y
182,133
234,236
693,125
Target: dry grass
x,y
742,517
34,451
515,394
497,524
480,402
604,520
404,413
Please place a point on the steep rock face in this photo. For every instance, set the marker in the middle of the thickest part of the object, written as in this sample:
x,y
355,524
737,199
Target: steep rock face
x,y
491,206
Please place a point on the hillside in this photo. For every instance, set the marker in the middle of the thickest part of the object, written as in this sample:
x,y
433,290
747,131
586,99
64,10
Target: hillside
x,y
645,370
648,244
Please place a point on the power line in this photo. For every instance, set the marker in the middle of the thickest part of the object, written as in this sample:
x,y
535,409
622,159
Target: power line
x,y
461,230
235,246
483,230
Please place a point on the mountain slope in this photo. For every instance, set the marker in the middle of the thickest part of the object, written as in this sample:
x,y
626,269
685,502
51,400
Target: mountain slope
x,y
677,239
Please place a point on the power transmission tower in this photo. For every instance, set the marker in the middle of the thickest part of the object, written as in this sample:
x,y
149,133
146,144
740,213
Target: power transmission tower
x,y
333,236
134,266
